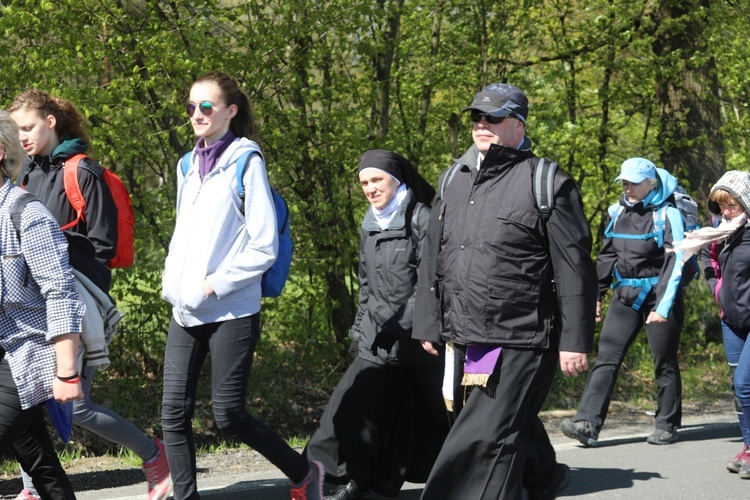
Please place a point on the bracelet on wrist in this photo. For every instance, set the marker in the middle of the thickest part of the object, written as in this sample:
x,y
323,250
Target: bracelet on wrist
x,y
70,381
71,377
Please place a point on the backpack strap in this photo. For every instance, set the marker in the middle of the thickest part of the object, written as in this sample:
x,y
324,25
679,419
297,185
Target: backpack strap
x,y
448,178
544,187
645,284
413,222
185,163
660,219
657,233
243,160
73,190
609,230
16,210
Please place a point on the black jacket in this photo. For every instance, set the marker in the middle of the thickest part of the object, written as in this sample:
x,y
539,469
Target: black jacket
x,y
92,242
639,258
731,281
491,259
388,263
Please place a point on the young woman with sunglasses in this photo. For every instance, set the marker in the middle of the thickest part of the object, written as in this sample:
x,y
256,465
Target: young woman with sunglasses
x,y
51,131
212,278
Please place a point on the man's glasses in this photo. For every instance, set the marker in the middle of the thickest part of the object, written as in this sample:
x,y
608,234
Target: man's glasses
x,y
476,117
206,107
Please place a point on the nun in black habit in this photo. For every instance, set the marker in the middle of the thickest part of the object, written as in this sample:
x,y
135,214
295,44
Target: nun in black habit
x,y
386,421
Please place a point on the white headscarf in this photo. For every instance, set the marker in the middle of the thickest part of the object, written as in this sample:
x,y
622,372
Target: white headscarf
x,y
384,216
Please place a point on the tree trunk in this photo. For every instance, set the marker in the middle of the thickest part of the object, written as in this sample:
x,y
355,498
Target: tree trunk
x,y
382,64
687,95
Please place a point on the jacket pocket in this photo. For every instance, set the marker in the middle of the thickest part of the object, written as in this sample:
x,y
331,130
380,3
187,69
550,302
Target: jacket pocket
x,y
515,226
512,311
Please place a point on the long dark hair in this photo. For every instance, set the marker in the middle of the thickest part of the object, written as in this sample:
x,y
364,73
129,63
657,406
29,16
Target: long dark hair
x,y
69,122
243,123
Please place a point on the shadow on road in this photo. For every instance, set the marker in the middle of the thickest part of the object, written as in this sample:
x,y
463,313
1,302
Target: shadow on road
x,y
710,431
586,481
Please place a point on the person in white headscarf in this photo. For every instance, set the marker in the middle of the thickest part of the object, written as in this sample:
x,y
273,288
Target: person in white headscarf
x,y
385,421
726,266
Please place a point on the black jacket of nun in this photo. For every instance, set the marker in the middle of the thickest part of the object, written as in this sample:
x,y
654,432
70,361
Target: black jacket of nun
x,y
388,262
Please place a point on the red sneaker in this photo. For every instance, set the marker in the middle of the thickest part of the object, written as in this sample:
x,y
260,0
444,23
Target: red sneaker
x,y
312,487
157,474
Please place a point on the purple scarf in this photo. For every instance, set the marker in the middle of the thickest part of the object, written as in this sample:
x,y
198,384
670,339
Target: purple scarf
x,y
208,156
480,363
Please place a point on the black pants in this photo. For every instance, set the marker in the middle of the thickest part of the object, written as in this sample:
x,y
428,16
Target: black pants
x,y
620,328
232,346
498,444
25,433
382,426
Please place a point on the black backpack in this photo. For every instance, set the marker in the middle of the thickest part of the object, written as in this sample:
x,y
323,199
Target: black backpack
x,y
543,187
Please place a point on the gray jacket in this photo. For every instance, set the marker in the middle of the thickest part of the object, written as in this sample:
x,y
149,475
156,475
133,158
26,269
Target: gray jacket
x,y
388,262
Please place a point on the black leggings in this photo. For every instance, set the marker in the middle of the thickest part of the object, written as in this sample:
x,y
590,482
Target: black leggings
x,y
232,346
620,328
25,433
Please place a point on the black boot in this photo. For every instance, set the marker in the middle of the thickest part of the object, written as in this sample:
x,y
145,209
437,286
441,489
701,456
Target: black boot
x,y
349,492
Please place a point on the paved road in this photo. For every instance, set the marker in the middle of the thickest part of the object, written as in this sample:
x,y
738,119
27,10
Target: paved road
x,y
623,467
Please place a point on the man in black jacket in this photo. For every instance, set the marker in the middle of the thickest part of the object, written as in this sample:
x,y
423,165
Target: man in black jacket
x,y
506,290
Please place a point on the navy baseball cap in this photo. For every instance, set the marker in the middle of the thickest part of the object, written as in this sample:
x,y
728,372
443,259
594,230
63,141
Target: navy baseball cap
x,y
501,99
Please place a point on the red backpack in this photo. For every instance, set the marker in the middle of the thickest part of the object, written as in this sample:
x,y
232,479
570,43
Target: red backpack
x,y
124,252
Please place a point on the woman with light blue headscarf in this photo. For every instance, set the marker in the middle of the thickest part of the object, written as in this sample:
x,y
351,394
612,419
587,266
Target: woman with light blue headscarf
x,y
646,281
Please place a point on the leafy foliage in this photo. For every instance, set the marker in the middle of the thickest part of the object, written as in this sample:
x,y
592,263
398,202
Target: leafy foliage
x,y
331,79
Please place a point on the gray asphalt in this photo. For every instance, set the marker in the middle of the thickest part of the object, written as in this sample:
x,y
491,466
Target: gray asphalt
x,y
624,466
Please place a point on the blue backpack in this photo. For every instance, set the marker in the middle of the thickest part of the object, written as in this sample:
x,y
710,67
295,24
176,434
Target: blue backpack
x,y
688,209
276,276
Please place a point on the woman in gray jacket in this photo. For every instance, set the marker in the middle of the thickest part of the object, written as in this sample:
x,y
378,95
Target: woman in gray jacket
x,y
385,421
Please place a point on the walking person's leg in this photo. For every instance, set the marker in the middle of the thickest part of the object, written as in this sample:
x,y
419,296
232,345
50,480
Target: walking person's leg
x,y
621,325
484,455
735,343
232,348
25,433
348,438
112,427
742,390
664,340
183,359
36,453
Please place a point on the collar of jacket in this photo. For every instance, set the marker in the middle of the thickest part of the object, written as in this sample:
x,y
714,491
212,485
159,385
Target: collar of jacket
x,y
497,158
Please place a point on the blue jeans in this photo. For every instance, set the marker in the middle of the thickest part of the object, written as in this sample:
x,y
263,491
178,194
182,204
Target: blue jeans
x,y
232,346
738,356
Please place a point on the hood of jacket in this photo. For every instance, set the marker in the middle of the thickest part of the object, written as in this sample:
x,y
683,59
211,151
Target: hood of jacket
x,y
737,184
662,192
68,148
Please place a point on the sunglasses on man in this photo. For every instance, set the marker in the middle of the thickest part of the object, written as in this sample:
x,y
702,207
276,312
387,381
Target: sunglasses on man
x,y
476,117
